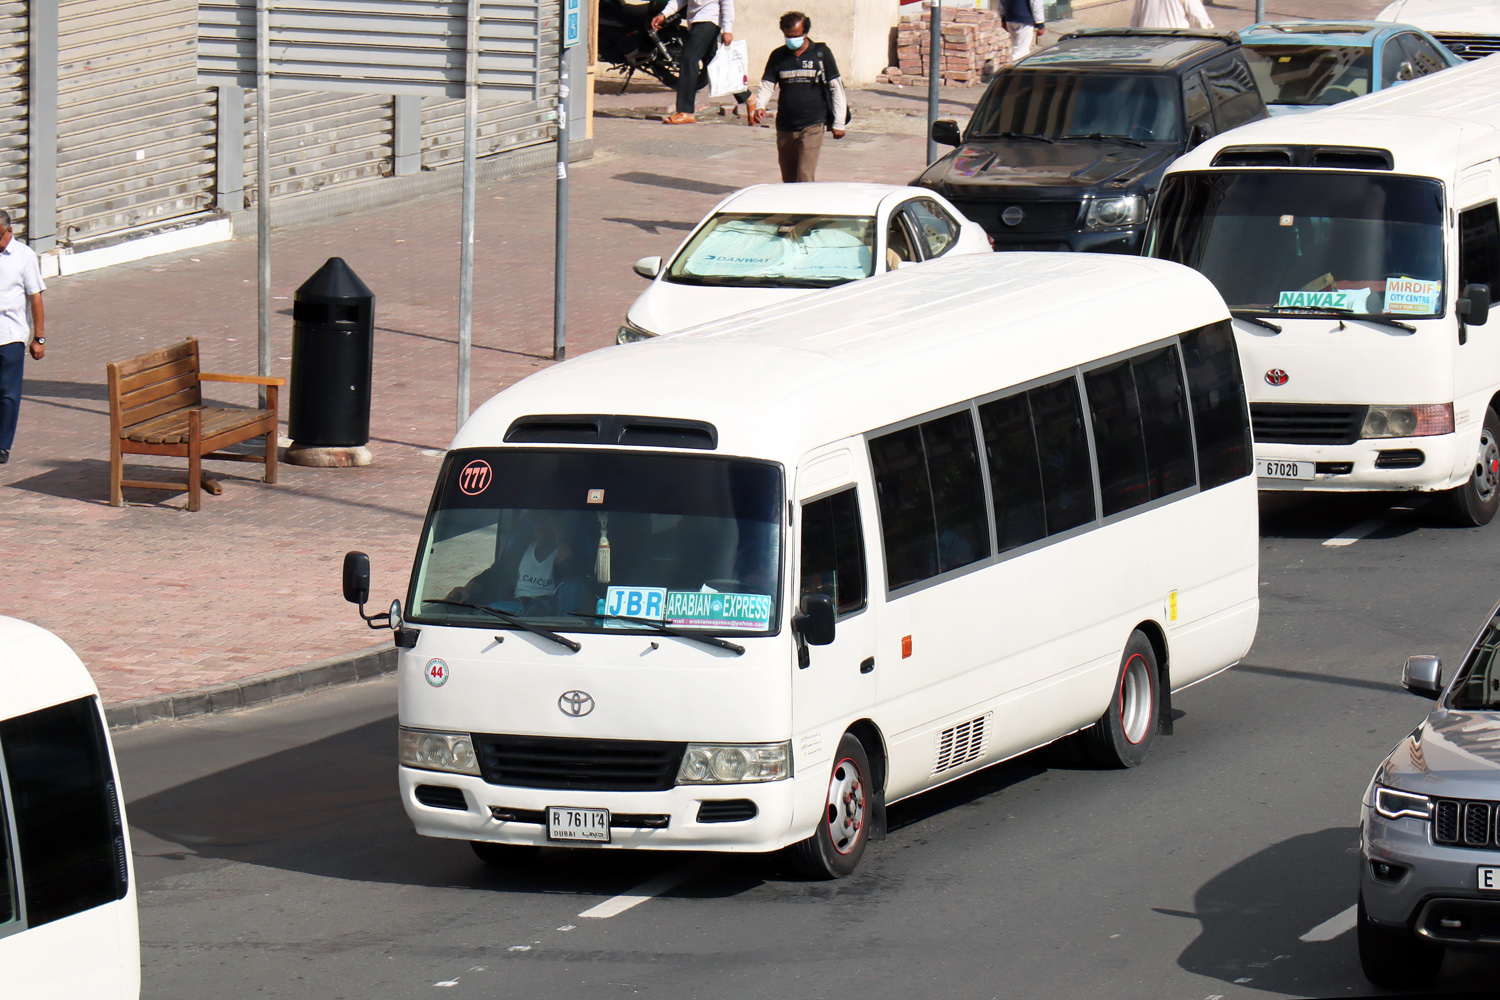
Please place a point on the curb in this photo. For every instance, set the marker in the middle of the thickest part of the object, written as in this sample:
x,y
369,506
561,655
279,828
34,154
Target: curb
x,y
257,689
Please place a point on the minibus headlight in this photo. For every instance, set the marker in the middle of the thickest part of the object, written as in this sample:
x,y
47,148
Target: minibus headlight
x,y
718,764
629,333
1107,213
1420,420
1393,804
433,751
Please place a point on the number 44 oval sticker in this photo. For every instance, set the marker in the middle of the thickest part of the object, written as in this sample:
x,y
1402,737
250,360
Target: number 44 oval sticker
x,y
436,673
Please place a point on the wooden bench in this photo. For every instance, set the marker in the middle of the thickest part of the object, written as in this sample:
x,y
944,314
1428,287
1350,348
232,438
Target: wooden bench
x,y
156,408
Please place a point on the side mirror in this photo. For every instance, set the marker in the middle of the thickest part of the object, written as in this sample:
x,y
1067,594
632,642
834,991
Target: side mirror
x,y
945,131
1473,305
815,623
648,267
1423,676
1200,134
356,578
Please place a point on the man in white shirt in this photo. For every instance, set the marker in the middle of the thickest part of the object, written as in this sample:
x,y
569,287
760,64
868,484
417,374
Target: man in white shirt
x,y
20,286
709,21
1170,14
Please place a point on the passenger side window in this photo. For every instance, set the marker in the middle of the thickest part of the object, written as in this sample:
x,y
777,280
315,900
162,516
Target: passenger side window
x,y
1195,103
898,248
1420,53
833,551
1232,89
932,515
1479,247
69,840
934,227
1141,431
1038,454
1217,393
1393,63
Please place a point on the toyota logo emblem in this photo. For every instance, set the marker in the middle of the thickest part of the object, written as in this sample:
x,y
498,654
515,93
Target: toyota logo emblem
x,y
575,703
1276,377
1013,215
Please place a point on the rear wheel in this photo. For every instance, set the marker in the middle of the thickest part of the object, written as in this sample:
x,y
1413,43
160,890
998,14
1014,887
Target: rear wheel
x,y
1395,959
834,850
1475,503
503,855
1122,737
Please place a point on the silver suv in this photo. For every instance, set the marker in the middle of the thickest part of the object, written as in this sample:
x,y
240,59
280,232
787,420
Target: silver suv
x,y
1430,865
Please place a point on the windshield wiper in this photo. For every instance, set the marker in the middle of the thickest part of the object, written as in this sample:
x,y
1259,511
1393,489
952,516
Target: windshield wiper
x,y
1105,135
512,619
1343,314
650,623
1016,135
1250,317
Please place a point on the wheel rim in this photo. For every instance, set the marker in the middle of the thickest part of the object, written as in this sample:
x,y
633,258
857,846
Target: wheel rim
x,y
1487,467
846,806
1135,698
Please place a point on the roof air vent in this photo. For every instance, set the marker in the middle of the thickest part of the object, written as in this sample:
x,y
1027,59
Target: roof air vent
x,y
604,428
1352,158
1253,156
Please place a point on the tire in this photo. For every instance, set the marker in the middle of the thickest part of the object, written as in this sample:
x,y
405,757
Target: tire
x,y
844,830
503,855
1475,503
1123,735
1392,959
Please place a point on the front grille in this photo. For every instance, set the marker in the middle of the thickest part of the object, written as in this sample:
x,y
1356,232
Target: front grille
x,y
1036,216
1476,824
1445,822
584,765
1307,423
1002,245
1464,823
1470,46
727,811
1400,458
442,797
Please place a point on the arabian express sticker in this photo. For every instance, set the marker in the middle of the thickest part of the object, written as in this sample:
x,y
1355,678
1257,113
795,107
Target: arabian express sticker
x,y
701,609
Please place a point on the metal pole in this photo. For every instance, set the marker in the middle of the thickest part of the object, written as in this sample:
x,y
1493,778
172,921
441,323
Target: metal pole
x,y
466,244
560,266
1260,11
263,186
934,71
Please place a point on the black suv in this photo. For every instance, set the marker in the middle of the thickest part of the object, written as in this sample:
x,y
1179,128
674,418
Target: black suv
x,y
1067,146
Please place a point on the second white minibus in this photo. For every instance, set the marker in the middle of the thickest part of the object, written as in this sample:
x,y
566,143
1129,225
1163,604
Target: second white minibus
x,y
1358,248
740,588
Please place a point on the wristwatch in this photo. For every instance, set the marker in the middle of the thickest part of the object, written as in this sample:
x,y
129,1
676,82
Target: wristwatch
x,y
40,340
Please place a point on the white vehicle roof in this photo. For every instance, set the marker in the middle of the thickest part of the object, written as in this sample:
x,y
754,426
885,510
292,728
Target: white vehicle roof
x,y
816,198
1448,16
776,382
1432,127
37,669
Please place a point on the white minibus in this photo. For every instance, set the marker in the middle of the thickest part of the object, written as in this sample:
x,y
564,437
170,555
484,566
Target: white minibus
x,y
67,889
1357,248
740,588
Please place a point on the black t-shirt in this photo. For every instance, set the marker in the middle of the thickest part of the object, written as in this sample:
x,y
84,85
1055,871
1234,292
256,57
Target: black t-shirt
x,y
805,99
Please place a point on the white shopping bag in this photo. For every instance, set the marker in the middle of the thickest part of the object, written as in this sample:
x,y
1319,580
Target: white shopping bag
x,y
729,72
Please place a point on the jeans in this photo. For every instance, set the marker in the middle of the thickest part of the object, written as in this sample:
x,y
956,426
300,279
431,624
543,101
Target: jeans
x,y
12,360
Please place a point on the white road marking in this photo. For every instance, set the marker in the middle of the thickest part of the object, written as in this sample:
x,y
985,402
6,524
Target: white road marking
x,y
1332,927
520,947
568,927
1360,530
653,887
447,982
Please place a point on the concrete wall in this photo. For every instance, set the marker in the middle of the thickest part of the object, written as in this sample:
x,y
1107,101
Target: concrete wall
x,y
857,31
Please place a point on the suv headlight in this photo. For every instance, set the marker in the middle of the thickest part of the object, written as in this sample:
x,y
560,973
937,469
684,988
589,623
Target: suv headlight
x,y
718,764
1110,213
1393,804
437,751
629,333
1420,420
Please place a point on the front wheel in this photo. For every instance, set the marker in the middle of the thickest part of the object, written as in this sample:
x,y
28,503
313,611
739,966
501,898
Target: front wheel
x,y
1122,737
835,848
1475,503
1395,959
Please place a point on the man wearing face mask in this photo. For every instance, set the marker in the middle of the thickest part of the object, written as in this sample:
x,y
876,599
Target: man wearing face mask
x,y
812,98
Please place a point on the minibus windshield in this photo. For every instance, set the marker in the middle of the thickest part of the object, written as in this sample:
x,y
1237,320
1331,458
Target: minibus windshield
x,y
1309,75
584,540
778,251
1055,106
1290,242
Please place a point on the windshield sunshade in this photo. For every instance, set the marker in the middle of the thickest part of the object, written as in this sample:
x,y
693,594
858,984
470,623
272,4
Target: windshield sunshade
x,y
1309,75
1293,242
1062,105
783,250
583,540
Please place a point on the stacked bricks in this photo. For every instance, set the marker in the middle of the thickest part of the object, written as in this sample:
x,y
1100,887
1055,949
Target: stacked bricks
x,y
975,46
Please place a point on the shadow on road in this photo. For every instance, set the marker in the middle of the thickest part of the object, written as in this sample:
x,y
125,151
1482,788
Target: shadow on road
x,y
1324,515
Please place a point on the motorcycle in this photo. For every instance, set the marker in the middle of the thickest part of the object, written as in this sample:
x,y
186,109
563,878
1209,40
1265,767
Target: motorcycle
x,y
628,42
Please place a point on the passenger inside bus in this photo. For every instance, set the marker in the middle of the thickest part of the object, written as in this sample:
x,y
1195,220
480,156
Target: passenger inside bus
x,y
537,569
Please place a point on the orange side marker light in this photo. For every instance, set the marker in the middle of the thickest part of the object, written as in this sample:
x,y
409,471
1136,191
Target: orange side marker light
x,y
905,646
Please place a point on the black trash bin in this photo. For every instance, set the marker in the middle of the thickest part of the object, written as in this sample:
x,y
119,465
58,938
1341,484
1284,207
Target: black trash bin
x,y
333,353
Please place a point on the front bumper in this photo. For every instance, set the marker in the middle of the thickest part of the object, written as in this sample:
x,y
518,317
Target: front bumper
x,y
1358,466
669,820
1438,895
1127,241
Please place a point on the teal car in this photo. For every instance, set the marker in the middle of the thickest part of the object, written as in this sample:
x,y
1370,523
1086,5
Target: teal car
x,y
1305,65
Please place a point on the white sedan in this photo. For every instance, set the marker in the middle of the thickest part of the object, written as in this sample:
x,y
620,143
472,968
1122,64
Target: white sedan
x,y
773,242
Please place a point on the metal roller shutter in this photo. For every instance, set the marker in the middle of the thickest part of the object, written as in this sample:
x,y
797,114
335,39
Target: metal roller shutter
x,y
321,140
136,131
13,107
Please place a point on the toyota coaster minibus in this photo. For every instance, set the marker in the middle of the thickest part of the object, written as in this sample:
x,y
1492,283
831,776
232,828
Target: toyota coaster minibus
x,y
740,588
1358,247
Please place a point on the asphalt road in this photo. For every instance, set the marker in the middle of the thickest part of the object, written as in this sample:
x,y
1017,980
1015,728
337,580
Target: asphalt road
x,y
274,860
